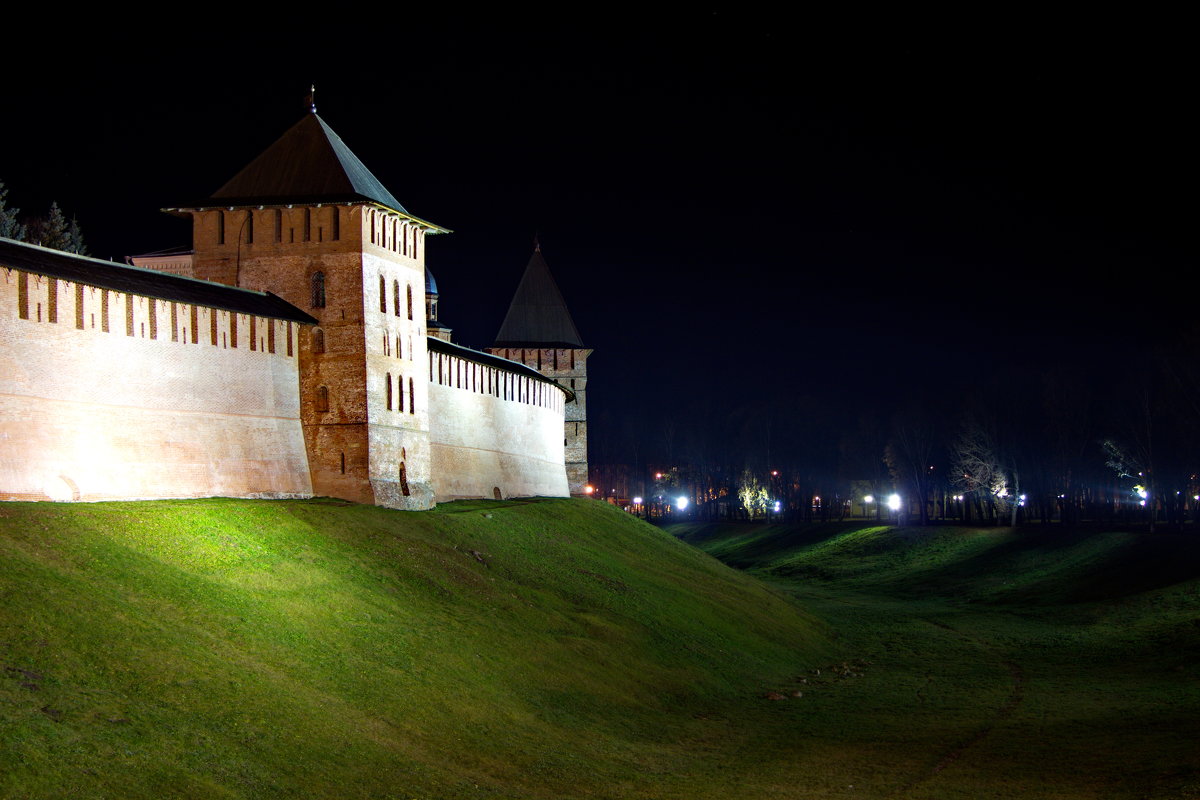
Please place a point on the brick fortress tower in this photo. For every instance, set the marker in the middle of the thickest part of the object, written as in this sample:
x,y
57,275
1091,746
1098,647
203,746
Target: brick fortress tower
x,y
307,221
538,331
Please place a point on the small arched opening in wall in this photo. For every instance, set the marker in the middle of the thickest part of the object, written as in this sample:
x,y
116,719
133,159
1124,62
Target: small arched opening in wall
x,y
318,340
62,490
404,480
321,404
497,493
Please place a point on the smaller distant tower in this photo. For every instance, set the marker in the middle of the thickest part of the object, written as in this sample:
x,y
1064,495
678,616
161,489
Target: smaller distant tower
x,y
432,325
538,331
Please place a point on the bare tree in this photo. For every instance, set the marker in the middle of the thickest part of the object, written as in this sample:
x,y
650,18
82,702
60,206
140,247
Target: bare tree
x,y
910,450
978,471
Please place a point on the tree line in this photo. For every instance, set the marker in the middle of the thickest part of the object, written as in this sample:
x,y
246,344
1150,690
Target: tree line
x,y
1061,443
53,230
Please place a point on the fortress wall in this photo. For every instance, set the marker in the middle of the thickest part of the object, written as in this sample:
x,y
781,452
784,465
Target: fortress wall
x,y
568,367
106,395
489,429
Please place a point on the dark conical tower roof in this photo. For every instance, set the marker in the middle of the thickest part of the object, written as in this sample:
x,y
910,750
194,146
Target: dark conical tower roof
x,y
538,316
308,164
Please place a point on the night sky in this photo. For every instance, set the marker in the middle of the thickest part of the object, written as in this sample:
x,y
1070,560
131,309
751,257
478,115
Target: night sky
x,y
734,209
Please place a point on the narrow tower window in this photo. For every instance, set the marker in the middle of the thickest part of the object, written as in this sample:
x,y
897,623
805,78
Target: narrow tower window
x,y
382,294
396,296
220,227
410,316
23,297
389,391
400,390
411,405
321,402
318,340
318,290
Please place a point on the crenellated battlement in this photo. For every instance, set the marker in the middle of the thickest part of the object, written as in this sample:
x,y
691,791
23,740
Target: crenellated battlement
x,y
77,306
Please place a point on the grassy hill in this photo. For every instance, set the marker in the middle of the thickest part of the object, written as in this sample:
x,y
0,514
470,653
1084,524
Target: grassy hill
x,y
562,649
1048,565
224,648
998,663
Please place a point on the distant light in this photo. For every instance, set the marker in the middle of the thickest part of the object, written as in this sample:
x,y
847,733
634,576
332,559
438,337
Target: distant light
x,y
681,503
1141,502
658,476
894,502
774,472
637,501
1141,492
869,498
589,489
778,505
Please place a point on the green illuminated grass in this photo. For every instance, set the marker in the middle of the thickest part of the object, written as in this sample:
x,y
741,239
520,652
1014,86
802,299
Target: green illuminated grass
x,y
227,648
561,649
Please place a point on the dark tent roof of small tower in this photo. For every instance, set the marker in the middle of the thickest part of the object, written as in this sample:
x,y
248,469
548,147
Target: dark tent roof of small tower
x,y
538,316
308,164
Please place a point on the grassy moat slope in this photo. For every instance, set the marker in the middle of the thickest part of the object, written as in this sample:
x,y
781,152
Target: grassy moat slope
x,y
242,649
992,663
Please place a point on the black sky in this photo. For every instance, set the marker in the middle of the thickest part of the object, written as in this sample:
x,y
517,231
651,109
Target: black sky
x,y
731,206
